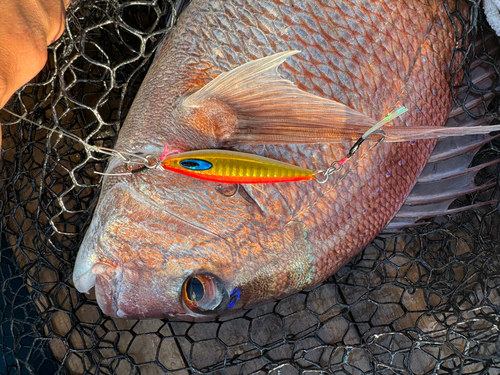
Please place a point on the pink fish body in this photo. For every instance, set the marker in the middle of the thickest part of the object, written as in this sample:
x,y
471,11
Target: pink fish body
x,y
166,245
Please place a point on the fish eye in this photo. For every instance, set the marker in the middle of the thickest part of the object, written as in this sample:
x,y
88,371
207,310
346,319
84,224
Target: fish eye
x,y
204,293
194,289
195,164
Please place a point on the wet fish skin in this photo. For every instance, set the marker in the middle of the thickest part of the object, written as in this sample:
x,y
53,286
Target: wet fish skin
x,y
151,231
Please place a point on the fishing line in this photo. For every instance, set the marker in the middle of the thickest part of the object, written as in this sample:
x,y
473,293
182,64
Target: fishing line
x,y
127,157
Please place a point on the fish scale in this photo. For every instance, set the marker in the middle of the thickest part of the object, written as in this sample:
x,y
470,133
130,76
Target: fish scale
x,y
377,56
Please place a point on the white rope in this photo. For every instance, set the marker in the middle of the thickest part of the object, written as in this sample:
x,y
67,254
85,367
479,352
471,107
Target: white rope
x,y
492,11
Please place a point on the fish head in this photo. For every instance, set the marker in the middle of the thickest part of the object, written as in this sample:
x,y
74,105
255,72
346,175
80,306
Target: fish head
x,y
164,245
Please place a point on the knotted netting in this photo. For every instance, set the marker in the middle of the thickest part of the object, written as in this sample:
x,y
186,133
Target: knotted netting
x,y
424,301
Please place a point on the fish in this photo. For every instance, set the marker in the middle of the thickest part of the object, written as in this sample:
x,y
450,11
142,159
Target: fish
x,y
166,245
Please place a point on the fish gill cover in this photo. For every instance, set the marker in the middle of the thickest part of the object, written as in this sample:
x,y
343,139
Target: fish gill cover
x,y
425,301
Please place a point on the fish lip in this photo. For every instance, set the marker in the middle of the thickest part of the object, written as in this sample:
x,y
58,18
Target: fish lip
x,y
108,280
85,281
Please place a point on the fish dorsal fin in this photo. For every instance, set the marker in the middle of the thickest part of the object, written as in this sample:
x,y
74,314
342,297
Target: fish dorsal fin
x,y
271,109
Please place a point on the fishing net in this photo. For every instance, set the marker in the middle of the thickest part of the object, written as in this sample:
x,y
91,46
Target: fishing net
x,y
424,301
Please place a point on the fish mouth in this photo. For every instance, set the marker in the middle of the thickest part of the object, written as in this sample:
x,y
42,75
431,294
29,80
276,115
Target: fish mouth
x,y
85,282
108,280
116,299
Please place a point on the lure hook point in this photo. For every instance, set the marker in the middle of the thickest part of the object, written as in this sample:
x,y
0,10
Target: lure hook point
x,y
382,138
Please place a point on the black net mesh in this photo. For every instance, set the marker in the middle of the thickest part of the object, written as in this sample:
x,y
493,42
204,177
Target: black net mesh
x,y
425,301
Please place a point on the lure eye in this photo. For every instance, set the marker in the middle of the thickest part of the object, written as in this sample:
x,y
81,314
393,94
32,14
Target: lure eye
x,y
204,293
195,164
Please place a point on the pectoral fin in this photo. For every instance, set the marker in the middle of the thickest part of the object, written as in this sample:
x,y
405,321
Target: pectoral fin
x,y
270,109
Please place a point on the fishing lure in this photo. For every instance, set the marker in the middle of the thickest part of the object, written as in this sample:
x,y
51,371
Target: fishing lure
x,y
234,167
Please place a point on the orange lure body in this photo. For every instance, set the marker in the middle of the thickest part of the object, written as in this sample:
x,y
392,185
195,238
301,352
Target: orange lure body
x,y
234,167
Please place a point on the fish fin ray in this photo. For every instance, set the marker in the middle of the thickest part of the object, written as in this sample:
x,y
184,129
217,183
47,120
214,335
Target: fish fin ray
x,y
407,219
448,174
271,110
410,133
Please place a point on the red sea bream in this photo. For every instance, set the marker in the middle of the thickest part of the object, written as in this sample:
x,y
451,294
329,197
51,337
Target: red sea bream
x,y
165,245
